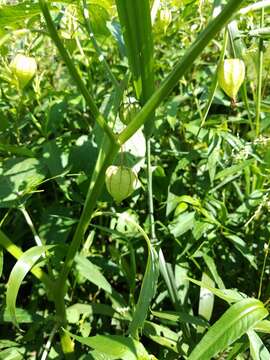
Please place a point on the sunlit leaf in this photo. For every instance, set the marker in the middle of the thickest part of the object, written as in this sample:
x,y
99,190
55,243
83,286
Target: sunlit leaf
x,y
235,322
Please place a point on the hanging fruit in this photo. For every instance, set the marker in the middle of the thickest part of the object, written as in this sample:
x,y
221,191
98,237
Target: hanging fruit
x,y
23,68
128,112
120,181
231,74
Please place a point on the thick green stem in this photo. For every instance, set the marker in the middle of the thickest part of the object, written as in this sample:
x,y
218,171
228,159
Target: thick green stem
x,y
73,71
180,69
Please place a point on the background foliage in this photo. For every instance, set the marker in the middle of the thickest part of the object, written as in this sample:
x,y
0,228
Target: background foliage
x,y
210,163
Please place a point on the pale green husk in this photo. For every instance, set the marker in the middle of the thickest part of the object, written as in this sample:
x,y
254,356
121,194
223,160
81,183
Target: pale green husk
x,y
231,74
23,68
120,181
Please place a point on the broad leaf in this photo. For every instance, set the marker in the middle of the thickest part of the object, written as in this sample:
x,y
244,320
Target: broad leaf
x,y
234,323
19,177
92,273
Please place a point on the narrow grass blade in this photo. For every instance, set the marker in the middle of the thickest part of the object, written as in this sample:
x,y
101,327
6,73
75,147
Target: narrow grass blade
x,y
18,273
146,294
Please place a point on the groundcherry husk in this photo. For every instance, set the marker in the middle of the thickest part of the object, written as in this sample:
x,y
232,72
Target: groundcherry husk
x,y
231,74
120,181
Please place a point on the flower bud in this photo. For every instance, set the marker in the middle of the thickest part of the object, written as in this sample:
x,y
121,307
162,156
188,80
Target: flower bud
x,y
231,74
23,68
120,181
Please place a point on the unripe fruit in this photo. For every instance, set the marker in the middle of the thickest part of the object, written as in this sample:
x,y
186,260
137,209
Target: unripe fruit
x,y
23,68
231,74
127,113
165,18
120,181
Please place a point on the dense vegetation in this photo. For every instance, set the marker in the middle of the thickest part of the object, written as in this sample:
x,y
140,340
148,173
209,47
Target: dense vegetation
x,y
169,259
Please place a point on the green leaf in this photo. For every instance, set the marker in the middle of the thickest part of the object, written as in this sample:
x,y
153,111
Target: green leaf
x,y
10,354
178,316
99,17
1,261
19,177
15,15
169,279
183,223
161,335
147,292
16,150
258,350
74,312
213,270
92,273
206,303
228,295
22,316
263,326
214,156
234,169
241,246
114,346
234,323
18,273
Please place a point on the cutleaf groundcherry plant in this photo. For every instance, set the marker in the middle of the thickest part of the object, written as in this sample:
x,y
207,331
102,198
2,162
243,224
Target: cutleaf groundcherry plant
x,y
121,181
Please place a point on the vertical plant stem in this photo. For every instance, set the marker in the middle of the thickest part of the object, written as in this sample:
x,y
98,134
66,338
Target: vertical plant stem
x,y
37,239
259,79
263,268
150,191
48,345
31,225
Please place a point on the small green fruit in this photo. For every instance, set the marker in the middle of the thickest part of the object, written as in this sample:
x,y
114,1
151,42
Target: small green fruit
x,y
128,112
231,74
23,68
120,181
